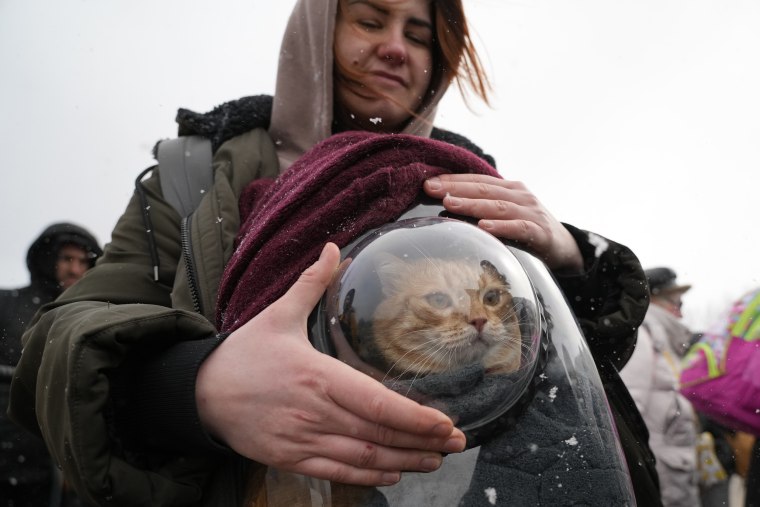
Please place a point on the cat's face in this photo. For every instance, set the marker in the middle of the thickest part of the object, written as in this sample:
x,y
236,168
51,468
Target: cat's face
x,y
439,315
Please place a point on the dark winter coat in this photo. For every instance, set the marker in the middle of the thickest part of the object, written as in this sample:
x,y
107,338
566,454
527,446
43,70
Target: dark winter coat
x,y
26,471
17,306
114,390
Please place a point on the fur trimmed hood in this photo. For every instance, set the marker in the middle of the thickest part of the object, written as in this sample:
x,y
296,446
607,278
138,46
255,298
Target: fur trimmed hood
x,y
242,115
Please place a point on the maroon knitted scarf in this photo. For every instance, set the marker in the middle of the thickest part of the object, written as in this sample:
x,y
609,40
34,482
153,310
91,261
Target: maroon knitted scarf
x,y
343,187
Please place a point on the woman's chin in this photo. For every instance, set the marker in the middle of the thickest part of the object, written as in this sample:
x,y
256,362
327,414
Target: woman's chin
x,y
372,122
383,116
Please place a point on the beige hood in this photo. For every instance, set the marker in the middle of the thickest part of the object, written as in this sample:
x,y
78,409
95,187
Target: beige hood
x,y
302,112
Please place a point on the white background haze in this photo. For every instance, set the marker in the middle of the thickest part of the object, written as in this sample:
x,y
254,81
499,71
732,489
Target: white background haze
x,y
639,120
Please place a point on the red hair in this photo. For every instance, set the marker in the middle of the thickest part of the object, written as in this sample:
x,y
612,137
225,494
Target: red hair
x,y
454,54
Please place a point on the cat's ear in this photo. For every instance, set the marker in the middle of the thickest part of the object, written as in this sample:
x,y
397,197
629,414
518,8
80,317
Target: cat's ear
x,y
391,271
491,270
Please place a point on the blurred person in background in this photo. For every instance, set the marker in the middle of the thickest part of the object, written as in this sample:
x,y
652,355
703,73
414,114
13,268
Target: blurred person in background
x,y
752,498
720,376
59,257
652,376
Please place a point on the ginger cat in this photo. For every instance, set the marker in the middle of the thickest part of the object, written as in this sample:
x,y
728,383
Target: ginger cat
x,y
439,315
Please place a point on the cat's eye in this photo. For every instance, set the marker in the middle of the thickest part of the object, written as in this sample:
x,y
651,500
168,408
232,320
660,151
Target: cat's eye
x,y
438,300
492,297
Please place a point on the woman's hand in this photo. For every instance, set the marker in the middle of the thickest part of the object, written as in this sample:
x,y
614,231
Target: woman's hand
x,y
269,395
508,210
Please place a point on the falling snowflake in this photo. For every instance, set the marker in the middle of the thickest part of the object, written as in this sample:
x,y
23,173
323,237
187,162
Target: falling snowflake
x,y
553,393
599,242
572,441
375,121
491,495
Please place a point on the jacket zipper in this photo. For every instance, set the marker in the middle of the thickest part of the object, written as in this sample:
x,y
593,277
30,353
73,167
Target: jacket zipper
x,y
187,253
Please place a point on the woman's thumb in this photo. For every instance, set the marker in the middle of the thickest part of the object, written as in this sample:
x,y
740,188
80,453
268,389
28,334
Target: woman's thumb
x,y
312,283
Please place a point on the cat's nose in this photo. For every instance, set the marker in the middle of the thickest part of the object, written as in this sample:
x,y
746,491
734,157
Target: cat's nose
x,y
478,324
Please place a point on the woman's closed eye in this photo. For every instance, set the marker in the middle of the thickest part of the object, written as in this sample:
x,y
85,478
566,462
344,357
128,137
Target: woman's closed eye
x,y
421,39
369,24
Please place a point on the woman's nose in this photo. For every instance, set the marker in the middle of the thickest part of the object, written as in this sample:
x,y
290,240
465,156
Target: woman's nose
x,y
393,49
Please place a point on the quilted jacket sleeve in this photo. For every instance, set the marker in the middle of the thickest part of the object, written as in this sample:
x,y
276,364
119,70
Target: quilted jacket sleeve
x,y
64,384
609,298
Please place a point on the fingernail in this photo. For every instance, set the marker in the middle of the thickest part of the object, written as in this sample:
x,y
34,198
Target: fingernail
x,y
486,224
324,250
454,445
453,201
434,183
391,478
430,463
442,430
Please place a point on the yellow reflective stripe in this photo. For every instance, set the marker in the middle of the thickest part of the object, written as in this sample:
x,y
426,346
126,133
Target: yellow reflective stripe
x,y
745,322
712,363
753,333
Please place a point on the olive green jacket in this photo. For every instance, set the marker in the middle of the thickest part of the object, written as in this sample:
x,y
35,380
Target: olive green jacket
x,y
117,312
80,354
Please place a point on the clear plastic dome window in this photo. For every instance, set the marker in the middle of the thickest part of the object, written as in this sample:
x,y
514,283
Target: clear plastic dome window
x,y
440,311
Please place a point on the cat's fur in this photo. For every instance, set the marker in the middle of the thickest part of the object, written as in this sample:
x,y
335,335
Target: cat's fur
x,y
439,315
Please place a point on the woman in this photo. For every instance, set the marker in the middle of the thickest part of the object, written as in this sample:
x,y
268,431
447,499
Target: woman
x,y
142,402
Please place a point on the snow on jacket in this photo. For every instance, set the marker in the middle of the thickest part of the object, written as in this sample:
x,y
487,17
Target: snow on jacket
x,y
652,376
130,434
108,373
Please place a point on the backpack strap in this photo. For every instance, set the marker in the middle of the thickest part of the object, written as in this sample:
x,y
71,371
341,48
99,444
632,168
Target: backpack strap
x,y
185,171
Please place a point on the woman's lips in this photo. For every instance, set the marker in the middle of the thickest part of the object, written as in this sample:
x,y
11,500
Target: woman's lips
x,y
386,77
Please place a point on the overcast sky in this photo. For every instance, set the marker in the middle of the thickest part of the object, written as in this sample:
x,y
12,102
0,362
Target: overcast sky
x,y
639,120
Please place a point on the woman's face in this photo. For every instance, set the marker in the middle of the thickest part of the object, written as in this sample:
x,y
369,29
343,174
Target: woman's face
x,y
383,53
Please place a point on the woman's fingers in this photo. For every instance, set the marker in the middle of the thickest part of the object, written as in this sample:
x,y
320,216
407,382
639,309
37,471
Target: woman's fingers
x,y
347,403
476,186
393,419
331,470
356,454
357,462
508,210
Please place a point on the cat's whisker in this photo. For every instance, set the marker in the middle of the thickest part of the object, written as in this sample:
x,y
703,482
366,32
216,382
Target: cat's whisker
x,y
411,382
432,352
410,351
395,364
417,371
